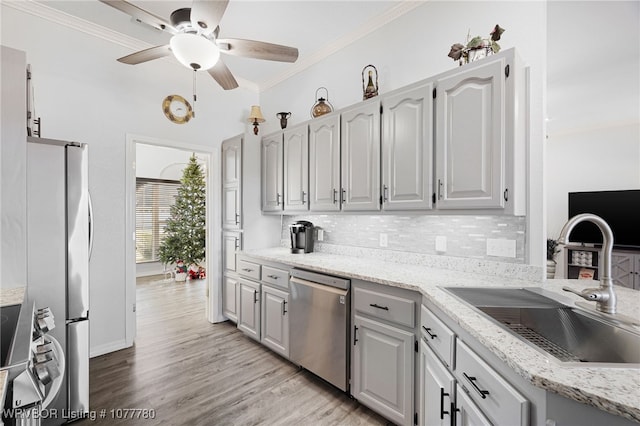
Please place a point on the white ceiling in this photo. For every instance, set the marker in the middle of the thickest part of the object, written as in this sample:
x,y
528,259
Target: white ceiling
x,y
312,26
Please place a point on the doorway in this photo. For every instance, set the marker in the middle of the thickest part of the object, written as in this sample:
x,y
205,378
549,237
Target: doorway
x,y
207,157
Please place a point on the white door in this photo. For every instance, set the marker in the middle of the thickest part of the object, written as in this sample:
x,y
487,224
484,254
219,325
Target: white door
x,y
437,389
231,183
272,173
324,163
407,147
470,138
275,320
249,309
296,168
383,369
230,291
360,149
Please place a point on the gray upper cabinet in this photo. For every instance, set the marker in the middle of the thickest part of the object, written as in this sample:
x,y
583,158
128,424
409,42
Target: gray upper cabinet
x,y
272,173
360,131
324,163
480,136
296,168
407,147
232,183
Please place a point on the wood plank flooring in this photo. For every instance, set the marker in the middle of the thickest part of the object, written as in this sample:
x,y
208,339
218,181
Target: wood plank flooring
x,y
192,372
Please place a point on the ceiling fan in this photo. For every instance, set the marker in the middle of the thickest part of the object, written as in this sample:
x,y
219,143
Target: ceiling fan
x,y
195,42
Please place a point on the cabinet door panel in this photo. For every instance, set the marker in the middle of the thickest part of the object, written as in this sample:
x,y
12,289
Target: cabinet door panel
x,y
272,173
470,138
231,243
360,130
296,169
383,369
275,320
324,164
437,389
249,311
622,269
230,291
468,413
407,146
232,183
231,208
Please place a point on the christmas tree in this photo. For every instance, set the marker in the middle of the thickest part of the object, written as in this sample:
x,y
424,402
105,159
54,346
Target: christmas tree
x,y
185,230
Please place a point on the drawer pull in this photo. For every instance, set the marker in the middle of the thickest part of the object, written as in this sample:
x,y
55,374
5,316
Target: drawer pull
x,y
273,277
472,380
284,307
428,331
255,296
442,395
375,305
247,270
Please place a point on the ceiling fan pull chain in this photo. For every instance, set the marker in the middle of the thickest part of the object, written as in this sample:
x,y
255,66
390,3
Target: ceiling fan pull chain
x,y
193,114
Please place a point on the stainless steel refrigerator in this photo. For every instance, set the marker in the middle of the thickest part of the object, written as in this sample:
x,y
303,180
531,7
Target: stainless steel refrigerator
x,y
59,239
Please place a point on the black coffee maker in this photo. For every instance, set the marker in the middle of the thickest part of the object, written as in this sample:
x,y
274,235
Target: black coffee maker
x,y
301,236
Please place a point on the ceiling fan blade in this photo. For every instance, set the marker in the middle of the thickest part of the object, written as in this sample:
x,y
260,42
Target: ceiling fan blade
x,y
223,76
146,55
206,14
141,14
258,50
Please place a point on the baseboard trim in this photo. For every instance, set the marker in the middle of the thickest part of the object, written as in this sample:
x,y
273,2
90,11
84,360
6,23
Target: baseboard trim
x,y
108,347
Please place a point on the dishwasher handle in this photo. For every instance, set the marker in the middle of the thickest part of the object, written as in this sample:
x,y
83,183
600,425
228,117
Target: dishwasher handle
x,y
299,281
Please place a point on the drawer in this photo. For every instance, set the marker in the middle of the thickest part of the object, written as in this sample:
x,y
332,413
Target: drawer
x,y
385,306
275,276
249,269
496,398
438,336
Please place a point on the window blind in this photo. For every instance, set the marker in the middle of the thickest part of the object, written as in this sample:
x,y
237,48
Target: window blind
x,y
154,198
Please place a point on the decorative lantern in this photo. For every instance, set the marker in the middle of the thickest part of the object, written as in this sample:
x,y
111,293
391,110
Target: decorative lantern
x,y
323,106
371,89
283,116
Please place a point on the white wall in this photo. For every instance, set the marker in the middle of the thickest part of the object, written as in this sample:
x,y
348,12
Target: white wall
x,y
594,102
414,47
83,94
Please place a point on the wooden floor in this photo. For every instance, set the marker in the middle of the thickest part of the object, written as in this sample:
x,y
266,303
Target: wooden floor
x,y
191,372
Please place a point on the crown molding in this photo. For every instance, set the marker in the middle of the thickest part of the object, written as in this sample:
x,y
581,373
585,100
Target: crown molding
x,y
370,26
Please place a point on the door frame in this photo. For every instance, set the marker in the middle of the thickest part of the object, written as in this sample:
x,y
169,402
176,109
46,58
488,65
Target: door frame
x,y
213,263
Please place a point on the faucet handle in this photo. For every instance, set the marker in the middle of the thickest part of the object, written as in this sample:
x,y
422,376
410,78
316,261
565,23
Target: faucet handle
x,y
593,294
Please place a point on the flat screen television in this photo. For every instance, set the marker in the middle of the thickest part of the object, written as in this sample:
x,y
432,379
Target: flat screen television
x,y
620,209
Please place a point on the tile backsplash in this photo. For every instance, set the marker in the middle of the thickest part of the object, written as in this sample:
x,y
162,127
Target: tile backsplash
x,y
466,236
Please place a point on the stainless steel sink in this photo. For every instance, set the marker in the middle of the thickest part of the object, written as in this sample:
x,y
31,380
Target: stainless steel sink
x,y
569,334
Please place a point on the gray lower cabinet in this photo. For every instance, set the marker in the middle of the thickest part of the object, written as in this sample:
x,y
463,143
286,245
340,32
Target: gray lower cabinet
x,y
383,369
230,289
249,308
275,320
437,389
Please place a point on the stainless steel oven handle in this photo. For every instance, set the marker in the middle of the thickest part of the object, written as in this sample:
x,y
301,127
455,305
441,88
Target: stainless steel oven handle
x,y
57,382
90,226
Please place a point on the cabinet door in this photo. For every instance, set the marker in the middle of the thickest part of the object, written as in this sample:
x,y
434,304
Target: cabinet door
x,y
231,244
324,164
249,309
383,369
467,412
230,291
231,183
622,269
636,284
470,138
275,320
296,169
271,176
360,147
407,146
437,387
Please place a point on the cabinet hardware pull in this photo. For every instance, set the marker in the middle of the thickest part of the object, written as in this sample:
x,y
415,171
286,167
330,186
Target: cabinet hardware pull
x,y
278,199
472,380
304,194
385,192
255,296
428,331
344,196
506,194
335,196
355,334
442,395
454,410
273,277
247,270
237,219
237,243
284,307
439,189
375,305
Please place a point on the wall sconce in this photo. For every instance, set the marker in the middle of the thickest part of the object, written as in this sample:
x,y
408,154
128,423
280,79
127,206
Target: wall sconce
x,y
255,118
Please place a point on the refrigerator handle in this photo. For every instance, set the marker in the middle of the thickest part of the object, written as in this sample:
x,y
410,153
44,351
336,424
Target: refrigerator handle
x,y
90,226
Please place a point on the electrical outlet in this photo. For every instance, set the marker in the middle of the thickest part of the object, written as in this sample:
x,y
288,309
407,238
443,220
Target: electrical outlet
x,y
441,244
384,241
501,248
320,235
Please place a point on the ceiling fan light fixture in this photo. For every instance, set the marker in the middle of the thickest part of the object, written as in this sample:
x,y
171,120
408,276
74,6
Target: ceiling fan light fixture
x,y
194,51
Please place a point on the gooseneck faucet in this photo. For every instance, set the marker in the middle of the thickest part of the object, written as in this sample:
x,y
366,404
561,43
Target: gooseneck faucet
x,y
604,296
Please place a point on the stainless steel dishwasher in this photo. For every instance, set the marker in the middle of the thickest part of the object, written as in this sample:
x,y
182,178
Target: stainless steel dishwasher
x,y
319,325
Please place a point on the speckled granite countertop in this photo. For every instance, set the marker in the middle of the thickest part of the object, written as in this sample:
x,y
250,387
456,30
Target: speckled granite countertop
x,y
8,296
615,390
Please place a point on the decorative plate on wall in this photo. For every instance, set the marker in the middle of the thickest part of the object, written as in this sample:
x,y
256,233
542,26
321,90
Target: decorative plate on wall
x,y
177,109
